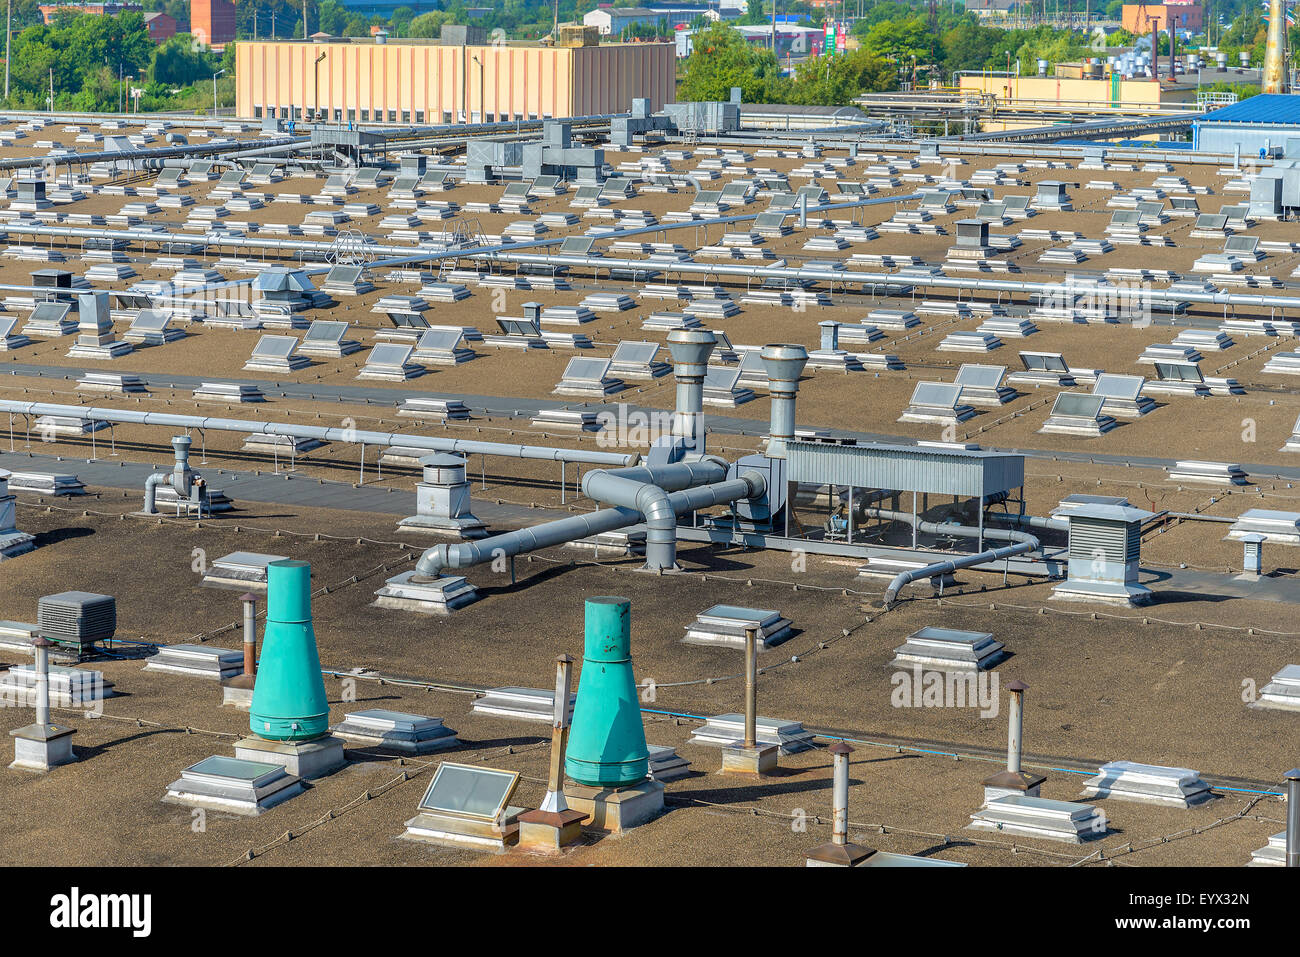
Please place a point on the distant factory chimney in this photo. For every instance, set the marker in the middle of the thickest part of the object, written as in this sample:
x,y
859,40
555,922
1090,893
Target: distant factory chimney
x,y
1274,76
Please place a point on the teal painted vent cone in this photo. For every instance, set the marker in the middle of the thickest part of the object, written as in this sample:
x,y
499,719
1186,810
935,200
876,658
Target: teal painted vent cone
x,y
607,740
289,694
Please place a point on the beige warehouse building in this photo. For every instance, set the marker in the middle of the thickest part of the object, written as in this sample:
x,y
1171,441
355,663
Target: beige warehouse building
x,y
409,81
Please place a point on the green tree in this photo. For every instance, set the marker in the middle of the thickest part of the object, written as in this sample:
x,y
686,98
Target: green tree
x,y
179,62
722,58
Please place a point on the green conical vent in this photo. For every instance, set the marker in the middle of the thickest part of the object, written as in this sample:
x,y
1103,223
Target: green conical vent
x,y
607,740
289,694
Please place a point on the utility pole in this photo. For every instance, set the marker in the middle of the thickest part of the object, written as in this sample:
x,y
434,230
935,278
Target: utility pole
x,y
304,19
774,27
9,29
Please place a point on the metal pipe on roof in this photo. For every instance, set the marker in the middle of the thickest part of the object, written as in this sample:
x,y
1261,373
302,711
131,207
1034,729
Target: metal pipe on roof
x,y
645,489
135,156
950,528
945,568
750,484
845,277
347,436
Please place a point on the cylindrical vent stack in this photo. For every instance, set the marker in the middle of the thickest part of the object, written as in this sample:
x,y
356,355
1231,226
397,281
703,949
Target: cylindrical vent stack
x,y
1015,725
690,350
607,741
784,363
289,701
181,449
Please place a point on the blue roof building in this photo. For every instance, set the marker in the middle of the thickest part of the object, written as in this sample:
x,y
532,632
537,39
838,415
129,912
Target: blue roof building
x,y
1257,123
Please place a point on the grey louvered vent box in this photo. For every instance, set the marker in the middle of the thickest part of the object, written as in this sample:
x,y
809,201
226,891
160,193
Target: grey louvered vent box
x,y
77,617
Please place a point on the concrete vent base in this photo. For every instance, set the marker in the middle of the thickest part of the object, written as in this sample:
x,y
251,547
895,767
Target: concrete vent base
x,y
198,661
616,810
396,731
439,597
1038,817
1110,593
1150,784
305,759
459,528
232,785
40,747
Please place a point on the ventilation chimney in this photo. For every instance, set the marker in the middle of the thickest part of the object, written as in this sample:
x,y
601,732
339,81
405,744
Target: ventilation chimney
x,y
690,349
1274,77
784,363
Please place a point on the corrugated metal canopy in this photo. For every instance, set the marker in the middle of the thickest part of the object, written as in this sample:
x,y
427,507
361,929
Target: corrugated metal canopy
x,y
1262,108
906,468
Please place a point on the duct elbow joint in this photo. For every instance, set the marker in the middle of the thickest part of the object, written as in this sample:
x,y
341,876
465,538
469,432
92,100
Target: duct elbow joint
x,y
432,562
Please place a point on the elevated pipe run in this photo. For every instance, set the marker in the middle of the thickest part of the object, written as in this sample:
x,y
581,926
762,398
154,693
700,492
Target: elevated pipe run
x,y
950,528
135,156
346,436
944,568
845,277
750,484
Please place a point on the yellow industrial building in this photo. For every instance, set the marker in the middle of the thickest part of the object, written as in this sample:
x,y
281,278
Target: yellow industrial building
x,y
410,81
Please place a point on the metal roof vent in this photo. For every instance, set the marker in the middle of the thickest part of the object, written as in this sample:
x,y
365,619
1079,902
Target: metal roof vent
x,y
77,617
1105,551
784,364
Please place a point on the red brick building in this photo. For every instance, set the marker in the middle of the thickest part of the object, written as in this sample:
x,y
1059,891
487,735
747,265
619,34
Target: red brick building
x,y
161,26
212,22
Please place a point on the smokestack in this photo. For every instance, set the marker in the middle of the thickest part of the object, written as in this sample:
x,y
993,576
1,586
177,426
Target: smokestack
x,y
690,350
1013,781
1274,76
784,363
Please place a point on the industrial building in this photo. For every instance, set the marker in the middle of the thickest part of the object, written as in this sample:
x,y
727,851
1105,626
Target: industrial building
x,y
405,81
692,486
612,21
213,22
1141,18
1268,123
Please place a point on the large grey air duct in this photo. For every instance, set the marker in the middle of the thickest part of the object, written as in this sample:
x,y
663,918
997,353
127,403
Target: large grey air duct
x,y
690,349
784,363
